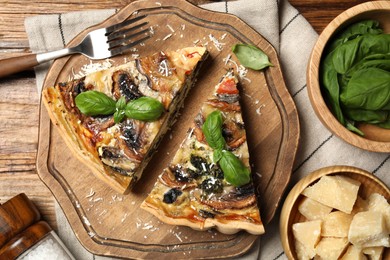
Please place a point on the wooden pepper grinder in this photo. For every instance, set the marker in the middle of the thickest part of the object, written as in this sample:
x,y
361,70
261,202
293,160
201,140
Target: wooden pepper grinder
x,y
23,235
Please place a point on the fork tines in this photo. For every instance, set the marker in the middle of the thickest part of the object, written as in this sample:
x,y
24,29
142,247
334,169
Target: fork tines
x,y
121,37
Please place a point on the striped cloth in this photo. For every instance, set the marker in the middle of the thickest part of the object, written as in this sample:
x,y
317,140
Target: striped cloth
x,y
293,38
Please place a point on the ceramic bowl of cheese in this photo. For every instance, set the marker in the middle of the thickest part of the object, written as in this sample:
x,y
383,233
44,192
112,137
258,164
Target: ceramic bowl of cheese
x,y
339,97
336,212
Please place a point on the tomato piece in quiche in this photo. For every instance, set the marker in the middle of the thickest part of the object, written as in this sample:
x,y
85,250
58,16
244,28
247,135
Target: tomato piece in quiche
x,y
118,152
200,188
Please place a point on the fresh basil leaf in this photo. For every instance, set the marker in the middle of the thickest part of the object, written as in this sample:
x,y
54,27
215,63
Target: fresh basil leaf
x,y
251,57
119,115
368,89
331,88
355,30
121,103
212,130
385,125
380,61
94,103
144,109
351,52
368,116
350,125
347,62
235,172
217,155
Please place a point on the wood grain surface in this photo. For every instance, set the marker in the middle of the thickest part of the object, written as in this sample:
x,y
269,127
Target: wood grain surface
x,y
19,98
272,137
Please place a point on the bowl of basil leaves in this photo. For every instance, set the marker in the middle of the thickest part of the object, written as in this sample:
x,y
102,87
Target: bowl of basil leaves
x,y
348,76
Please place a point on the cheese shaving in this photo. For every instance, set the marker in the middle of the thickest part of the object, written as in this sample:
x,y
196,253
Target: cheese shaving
x,y
91,68
91,193
216,43
163,68
167,37
170,28
241,70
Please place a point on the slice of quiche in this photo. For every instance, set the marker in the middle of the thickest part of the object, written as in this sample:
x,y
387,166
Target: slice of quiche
x,y
208,183
114,119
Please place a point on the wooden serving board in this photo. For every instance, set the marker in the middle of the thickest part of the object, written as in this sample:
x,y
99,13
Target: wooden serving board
x,y
112,224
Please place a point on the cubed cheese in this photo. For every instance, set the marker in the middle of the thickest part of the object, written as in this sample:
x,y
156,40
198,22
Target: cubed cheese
x,y
378,203
383,241
360,205
337,191
336,224
375,253
331,248
368,228
302,252
312,209
308,234
353,253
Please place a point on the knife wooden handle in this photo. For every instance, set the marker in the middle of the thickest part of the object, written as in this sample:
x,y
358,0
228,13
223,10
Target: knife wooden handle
x,y
17,64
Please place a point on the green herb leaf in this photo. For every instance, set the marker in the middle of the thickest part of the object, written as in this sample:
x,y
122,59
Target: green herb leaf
x,y
235,172
217,155
351,52
94,103
121,103
355,30
251,57
144,108
368,116
212,130
119,114
368,89
331,87
385,125
354,75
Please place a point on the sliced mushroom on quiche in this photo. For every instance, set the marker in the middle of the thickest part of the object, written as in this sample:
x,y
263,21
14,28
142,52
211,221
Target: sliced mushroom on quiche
x,y
114,119
208,183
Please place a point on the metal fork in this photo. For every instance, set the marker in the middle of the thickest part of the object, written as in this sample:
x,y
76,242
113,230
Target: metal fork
x,y
97,44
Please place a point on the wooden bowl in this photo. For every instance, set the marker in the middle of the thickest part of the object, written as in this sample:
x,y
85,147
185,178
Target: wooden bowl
x,y
290,214
375,138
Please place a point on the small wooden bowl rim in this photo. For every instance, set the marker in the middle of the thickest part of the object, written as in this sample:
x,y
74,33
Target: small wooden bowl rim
x,y
295,193
313,87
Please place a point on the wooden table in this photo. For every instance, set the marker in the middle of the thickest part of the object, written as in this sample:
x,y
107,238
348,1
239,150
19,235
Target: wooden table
x,y
19,101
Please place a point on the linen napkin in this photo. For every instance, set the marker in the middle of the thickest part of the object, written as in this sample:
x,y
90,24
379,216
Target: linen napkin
x,y
293,38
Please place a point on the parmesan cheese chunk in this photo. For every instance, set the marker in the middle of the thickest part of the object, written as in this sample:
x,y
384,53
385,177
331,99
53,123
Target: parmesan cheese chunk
x,y
360,205
308,234
353,253
312,209
339,192
378,203
368,228
336,224
302,253
375,253
330,248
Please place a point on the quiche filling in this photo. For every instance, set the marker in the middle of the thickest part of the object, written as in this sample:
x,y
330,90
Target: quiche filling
x,y
118,151
194,189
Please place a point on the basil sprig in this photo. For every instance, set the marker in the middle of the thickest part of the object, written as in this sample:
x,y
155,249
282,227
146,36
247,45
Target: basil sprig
x,y
120,106
144,108
235,172
95,103
212,129
251,57
234,169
